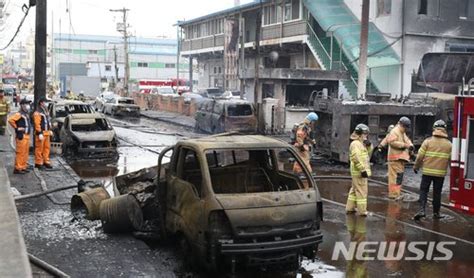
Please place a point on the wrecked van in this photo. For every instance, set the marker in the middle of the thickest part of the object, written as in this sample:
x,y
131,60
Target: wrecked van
x,y
89,136
235,200
221,115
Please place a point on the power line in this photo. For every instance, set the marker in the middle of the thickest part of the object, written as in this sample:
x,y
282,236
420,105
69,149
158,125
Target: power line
x,y
25,10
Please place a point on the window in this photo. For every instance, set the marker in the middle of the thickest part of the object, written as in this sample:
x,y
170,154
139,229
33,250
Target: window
x,y
92,51
466,9
142,65
271,14
238,110
291,10
170,66
470,152
423,7
189,169
108,67
384,7
254,171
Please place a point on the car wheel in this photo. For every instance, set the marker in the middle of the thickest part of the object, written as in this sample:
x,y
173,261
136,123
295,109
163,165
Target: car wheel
x,y
189,259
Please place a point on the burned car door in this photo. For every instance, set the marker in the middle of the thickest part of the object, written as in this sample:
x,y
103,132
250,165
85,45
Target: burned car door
x,y
217,117
185,206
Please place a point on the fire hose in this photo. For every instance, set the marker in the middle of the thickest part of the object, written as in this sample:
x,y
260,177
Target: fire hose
x,y
42,193
47,267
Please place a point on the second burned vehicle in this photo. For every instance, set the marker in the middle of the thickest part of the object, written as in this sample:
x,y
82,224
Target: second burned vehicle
x,y
88,136
121,106
221,115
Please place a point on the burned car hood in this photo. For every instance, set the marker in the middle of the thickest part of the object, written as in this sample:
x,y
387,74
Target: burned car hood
x,y
274,212
87,136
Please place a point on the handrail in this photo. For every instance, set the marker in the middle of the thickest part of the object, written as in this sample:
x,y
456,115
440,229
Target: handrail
x,y
319,41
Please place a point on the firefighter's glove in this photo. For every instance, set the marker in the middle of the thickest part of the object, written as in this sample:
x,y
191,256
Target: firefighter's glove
x,y
415,170
367,143
364,174
41,137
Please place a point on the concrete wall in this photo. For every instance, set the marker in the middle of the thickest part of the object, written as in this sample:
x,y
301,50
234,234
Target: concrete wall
x,y
166,103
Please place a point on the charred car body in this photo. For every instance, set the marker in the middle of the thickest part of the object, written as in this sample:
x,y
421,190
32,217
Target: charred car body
x,y
221,115
121,106
88,136
235,200
61,109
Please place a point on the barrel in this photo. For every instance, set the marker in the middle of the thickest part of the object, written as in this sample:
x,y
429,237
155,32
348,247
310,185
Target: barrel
x,y
86,204
121,214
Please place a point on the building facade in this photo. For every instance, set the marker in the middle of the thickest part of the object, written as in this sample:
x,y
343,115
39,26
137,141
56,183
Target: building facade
x,y
149,58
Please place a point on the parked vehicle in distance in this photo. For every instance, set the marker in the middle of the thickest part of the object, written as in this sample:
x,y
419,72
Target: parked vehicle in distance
x,y
235,200
58,111
101,99
165,91
221,115
121,106
9,90
190,96
88,136
211,92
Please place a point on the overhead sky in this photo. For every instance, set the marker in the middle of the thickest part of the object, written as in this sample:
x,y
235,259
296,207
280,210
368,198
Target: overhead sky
x,y
147,18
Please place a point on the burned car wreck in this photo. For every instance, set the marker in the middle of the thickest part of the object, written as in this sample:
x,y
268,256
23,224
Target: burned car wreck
x,y
88,136
121,106
233,200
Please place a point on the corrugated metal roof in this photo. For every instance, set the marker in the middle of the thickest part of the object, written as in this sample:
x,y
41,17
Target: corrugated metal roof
x,y
113,39
225,12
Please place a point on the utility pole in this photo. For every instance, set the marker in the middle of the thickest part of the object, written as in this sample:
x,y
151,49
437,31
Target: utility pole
x,y
116,66
257,90
178,53
125,45
40,51
242,55
364,36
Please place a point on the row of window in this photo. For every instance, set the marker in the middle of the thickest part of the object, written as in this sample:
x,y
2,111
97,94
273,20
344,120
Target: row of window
x,y
210,27
145,65
431,8
271,14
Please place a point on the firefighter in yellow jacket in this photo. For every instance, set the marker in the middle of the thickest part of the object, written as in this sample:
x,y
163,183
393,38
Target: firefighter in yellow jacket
x,y
42,125
360,151
433,158
399,148
20,121
303,141
4,110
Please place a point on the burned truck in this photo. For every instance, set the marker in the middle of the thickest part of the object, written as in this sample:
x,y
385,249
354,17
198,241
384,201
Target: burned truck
x,y
338,118
233,200
236,200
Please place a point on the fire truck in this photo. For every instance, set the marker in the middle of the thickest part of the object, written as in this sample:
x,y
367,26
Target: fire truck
x,y
462,156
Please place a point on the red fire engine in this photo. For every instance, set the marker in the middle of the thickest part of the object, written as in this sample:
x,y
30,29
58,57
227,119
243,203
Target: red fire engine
x,y
462,156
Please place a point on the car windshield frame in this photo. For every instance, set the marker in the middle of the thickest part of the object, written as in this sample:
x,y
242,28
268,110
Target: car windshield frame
x,y
234,106
305,175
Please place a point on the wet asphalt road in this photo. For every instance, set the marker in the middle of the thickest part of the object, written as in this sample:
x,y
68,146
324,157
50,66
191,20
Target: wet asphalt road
x,y
140,143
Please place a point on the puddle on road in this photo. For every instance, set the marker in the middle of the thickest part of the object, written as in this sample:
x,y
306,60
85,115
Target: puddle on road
x,y
58,225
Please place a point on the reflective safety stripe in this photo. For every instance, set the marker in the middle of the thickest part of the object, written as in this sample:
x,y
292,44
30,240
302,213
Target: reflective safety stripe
x,y
434,171
455,149
361,200
422,151
437,154
352,198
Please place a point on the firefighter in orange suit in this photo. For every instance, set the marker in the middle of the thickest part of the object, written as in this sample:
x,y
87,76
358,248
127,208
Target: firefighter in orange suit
x,y
360,152
399,148
433,157
303,141
4,110
20,121
42,124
